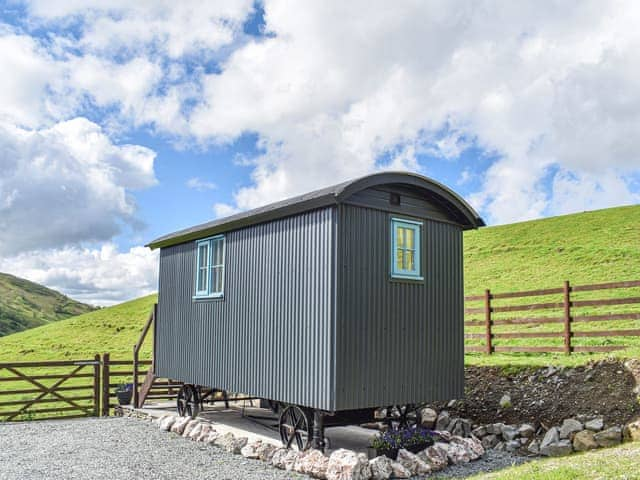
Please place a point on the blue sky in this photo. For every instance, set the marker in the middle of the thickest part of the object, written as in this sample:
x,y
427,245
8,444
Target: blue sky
x,y
121,121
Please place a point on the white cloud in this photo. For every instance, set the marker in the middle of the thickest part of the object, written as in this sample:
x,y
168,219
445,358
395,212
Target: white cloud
x,y
174,28
340,84
201,185
101,276
27,70
67,184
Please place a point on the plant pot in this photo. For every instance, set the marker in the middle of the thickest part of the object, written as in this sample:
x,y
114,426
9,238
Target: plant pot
x,y
124,396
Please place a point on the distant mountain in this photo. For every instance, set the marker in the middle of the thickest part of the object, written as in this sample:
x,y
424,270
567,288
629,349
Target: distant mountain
x,y
24,305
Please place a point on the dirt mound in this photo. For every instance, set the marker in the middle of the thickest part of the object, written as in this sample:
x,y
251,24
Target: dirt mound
x,y
608,389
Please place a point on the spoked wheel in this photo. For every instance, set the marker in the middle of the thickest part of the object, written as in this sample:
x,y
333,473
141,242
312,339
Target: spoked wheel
x,y
402,416
188,401
295,428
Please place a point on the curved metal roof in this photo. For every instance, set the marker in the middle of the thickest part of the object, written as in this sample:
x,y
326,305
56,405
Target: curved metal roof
x,y
459,210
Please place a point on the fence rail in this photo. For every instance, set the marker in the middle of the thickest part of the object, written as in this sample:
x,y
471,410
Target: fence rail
x,y
542,313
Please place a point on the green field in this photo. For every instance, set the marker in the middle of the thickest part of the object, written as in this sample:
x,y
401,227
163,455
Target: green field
x,y
609,463
24,304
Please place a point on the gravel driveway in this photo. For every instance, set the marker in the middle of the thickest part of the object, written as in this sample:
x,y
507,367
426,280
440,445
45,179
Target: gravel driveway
x,y
125,448
116,448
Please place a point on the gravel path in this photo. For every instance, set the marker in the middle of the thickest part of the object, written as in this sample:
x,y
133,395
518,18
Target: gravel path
x,y
116,448
125,448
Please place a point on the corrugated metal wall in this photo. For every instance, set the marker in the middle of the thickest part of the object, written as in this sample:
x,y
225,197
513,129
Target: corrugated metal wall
x,y
272,334
397,342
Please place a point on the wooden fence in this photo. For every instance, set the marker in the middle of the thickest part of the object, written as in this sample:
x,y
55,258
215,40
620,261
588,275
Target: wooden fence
x,y
489,320
71,388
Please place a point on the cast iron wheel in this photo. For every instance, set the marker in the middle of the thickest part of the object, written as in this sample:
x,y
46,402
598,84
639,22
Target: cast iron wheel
x,y
402,416
188,401
295,425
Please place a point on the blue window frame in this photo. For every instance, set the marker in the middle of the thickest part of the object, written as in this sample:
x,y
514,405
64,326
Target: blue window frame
x,y
210,267
406,245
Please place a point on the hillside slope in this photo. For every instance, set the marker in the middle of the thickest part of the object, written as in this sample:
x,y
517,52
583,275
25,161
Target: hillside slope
x,y
24,305
589,247
115,330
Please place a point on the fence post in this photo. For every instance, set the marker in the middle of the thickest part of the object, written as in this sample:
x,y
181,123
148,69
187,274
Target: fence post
x,y
96,386
567,317
105,384
135,376
487,321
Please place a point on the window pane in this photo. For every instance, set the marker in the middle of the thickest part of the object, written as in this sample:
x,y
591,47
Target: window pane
x,y
217,252
203,254
409,233
399,259
217,280
202,279
409,263
400,237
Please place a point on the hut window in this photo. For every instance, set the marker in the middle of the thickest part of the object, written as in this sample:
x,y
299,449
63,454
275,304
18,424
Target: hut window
x,y
405,245
210,267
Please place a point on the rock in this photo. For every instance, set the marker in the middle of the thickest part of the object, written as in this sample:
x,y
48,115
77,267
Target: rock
x,y
456,452
428,417
505,401
472,445
475,445
523,441
495,429
490,441
569,427
452,403
400,471
435,457
279,456
443,435
512,445
534,447
557,449
265,452
348,465
479,432
462,428
526,430
413,463
452,425
500,447
166,422
381,468
631,432
196,431
231,443
212,437
250,449
179,424
595,425
204,433
312,462
584,440
509,433
443,420
552,436
609,437
189,427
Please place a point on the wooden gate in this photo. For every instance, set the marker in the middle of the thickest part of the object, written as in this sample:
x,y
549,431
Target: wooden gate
x,y
49,390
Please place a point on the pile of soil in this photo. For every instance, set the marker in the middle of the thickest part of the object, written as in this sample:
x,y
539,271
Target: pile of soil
x,y
546,396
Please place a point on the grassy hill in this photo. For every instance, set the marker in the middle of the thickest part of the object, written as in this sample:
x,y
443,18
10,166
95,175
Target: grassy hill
x,y
114,330
24,304
588,247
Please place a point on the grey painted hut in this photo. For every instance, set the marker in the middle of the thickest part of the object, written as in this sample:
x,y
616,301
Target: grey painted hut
x,y
333,303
